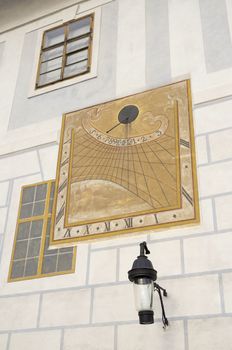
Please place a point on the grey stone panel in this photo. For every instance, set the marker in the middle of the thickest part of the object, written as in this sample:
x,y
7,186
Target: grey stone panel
x,y
216,35
158,66
2,45
26,110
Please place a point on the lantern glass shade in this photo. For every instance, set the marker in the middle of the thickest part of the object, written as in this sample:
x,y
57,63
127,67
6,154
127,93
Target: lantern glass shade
x,y
143,291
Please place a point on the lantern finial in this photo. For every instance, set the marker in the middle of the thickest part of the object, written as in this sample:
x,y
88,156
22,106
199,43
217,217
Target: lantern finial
x,y
143,247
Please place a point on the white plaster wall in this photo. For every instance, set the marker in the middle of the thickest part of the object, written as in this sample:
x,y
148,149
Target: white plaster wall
x,y
93,308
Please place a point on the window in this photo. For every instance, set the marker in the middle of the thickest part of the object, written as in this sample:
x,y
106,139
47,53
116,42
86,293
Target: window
x,y
66,51
31,257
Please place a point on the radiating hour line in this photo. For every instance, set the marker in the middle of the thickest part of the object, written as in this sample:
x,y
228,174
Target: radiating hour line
x,y
163,164
156,178
164,149
100,159
148,191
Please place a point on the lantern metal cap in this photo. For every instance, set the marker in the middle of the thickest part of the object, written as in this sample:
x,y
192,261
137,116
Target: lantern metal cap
x,y
142,266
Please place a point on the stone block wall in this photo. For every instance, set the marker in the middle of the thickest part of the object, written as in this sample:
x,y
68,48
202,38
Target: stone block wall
x,y
94,308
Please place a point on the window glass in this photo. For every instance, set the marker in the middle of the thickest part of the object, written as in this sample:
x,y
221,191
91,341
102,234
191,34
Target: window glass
x,y
53,37
79,28
76,57
52,53
76,68
78,44
50,65
50,77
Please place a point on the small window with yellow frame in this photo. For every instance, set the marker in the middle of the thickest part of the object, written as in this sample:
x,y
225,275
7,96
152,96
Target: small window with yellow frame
x,y
31,256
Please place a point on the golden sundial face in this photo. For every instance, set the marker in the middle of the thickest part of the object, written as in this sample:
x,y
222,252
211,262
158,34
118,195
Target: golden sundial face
x,y
126,165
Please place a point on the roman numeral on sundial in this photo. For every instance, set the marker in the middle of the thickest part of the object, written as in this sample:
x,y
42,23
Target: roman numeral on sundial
x,y
156,219
128,222
65,162
60,214
62,186
187,196
184,143
107,225
67,233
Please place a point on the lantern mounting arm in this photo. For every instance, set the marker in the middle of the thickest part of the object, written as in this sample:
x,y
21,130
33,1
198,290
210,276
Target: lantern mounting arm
x,y
165,294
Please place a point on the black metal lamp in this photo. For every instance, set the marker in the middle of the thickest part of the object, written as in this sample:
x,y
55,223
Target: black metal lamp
x,y
143,275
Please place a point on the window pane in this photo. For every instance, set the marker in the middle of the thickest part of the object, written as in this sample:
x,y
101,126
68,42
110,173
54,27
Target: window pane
x,y
79,27
26,211
38,208
64,262
18,269
23,230
75,69
79,56
53,37
31,267
66,250
78,44
50,206
28,195
21,250
52,190
33,248
49,77
49,264
36,228
52,53
50,65
41,191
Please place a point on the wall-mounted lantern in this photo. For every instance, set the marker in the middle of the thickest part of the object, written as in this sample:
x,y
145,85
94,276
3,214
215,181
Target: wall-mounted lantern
x,y
143,276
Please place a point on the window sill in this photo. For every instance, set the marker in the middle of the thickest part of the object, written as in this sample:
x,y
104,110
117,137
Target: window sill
x,y
62,84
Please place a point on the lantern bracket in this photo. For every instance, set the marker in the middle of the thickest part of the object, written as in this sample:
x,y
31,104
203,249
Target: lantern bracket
x,y
158,289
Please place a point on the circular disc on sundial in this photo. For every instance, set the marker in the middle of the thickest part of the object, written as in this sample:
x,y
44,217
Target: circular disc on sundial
x,y
126,165
128,114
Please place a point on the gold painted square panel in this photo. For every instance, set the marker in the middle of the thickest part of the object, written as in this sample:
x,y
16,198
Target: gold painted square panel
x,y
126,165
